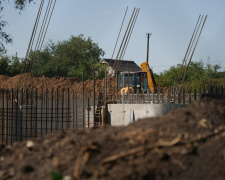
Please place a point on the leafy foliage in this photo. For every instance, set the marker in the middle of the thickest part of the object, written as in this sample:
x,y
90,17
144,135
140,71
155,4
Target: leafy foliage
x,y
69,58
198,75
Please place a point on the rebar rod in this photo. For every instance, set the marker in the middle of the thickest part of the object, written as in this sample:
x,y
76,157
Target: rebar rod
x,y
178,78
193,41
42,39
32,35
119,34
130,36
127,36
41,31
194,50
114,64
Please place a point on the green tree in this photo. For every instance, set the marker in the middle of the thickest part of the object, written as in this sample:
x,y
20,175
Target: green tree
x,y
15,66
198,75
69,58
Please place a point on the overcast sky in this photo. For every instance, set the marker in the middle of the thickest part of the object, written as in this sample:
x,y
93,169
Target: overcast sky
x,y
171,23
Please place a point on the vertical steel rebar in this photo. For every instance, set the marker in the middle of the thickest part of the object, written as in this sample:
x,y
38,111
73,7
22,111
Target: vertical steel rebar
x,y
221,91
36,119
83,100
21,116
42,96
76,112
62,106
7,115
68,117
105,86
73,109
94,97
26,111
31,114
52,103
3,108
88,117
46,111
114,64
17,104
189,96
184,96
12,117
178,78
57,109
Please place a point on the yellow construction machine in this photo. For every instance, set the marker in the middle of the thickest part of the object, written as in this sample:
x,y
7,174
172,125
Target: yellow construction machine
x,y
137,82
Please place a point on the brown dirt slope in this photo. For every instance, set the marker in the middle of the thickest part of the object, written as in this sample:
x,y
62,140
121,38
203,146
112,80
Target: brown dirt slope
x,y
41,82
185,144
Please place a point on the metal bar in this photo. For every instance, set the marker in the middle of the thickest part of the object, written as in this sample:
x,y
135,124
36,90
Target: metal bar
x,y
158,97
153,96
179,98
83,98
76,112
12,117
127,37
114,64
132,28
17,103
195,93
42,96
88,117
94,96
183,96
46,111
117,78
32,35
119,33
21,116
179,75
7,115
168,95
189,96
73,109
222,91
57,109
68,117
52,100
174,95
62,106
31,110
3,108
199,93
36,119
194,50
26,112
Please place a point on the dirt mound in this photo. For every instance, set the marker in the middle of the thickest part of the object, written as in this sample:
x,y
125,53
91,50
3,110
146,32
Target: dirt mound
x,y
186,144
33,81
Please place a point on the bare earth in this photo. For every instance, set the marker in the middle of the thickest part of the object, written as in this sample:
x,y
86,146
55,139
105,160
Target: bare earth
x,y
41,82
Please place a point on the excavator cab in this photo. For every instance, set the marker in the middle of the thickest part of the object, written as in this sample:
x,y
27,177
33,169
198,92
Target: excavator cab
x,y
133,81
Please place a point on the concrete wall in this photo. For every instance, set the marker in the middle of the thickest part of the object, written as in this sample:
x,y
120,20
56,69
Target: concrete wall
x,y
124,114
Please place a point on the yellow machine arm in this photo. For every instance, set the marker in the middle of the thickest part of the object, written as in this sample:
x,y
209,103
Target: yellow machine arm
x,y
151,81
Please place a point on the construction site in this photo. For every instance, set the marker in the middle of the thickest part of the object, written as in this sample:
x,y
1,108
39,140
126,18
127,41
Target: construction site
x,y
121,126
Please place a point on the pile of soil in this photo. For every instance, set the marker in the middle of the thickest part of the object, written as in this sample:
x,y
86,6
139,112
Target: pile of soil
x,y
27,80
185,144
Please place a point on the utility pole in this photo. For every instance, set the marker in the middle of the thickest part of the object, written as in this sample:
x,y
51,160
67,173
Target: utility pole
x,y
148,36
